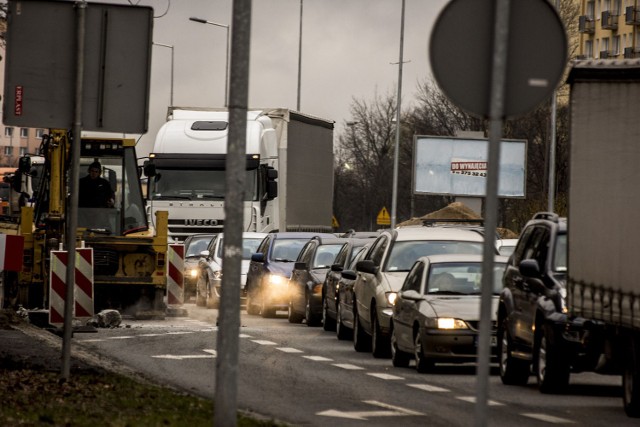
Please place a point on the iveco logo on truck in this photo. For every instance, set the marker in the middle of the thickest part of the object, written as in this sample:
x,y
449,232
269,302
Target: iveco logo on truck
x,y
201,222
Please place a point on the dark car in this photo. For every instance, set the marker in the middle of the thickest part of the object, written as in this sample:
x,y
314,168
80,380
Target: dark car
x,y
307,278
436,315
532,303
349,251
193,246
270,269
344,297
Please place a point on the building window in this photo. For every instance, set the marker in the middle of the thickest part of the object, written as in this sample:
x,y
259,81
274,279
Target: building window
x,y
615,45
24,133
23,151
8,150
39,133
8,131
588,49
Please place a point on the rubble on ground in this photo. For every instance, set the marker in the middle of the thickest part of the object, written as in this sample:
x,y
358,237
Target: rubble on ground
x,y
106,319
456,210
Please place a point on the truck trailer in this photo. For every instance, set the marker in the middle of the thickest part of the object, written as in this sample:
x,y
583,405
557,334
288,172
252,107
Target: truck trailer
x,y
289,172
603,290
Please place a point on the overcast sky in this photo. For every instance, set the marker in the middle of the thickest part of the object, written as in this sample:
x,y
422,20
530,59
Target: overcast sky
x,y
348,47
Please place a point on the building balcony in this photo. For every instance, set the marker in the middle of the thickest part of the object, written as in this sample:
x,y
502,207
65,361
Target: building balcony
x,y
586,24
630,52
609,20
631,16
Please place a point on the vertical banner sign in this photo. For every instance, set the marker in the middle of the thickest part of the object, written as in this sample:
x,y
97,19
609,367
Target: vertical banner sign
x,y
175,274
83,291
11,250
57,287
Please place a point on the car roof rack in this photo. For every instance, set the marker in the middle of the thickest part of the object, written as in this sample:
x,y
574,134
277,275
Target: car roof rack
x,y
550,216
431,222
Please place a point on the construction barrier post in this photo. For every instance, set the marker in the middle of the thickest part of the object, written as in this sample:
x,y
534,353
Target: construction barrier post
x,y
57,287
175,280
83,291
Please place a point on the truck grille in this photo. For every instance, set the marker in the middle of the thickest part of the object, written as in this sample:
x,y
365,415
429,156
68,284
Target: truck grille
x,y
105,262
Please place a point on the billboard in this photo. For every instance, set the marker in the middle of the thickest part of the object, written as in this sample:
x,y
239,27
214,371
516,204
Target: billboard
x,y
458,166
41,63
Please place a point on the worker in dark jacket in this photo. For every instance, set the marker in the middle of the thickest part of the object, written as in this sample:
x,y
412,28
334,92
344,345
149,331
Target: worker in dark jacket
x,y
95,191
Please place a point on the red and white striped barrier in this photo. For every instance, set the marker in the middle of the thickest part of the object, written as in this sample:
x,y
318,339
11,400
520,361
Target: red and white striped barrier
x,y
83,289
175,274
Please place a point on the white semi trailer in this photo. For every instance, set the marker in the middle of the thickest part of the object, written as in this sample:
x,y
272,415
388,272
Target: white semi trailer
x,y
603,282
289,174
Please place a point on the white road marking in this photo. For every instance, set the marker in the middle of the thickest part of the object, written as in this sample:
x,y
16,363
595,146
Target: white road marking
x,y
549,418
472,399
318,358
93,340
391,411
179,333
348,366
150,335
126,337
430,388
385,376
212,354
289,350
245,336
264,342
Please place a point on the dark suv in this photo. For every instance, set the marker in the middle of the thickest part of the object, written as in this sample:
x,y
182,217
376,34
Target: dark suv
x,y
532,306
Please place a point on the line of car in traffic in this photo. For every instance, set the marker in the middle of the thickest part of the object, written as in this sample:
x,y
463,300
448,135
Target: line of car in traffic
x,y
383,290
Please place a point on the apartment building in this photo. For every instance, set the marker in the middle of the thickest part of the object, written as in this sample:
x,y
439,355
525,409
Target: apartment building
x,y
609,29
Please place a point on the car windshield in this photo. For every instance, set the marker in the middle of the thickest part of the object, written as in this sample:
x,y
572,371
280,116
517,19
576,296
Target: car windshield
x,y
324,256
197,245
249,247
404,254
560,255
287,250
463,278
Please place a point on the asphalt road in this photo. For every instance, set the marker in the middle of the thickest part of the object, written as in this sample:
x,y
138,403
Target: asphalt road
x,y
306,376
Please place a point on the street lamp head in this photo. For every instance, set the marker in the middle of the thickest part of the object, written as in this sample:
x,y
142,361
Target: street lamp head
x,y
200,20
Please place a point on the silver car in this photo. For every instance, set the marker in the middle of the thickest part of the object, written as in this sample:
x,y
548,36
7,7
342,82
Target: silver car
x,y
436,316
381,273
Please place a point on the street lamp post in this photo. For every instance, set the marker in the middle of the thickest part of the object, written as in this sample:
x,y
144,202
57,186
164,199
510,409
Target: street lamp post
x,y
226,75
170,46
394,192
299,57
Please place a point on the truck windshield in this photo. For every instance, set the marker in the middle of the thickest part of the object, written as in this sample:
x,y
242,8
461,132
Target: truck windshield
x,y
195,184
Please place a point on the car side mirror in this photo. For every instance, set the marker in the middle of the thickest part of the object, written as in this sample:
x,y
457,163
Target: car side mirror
x,y
336,267
300,265
349,274
529,268
257,257
367,266
204,253
410,295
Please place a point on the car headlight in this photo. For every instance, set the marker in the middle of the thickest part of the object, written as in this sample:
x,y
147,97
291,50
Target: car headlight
x,y
276,280
446,323
193,273
391,297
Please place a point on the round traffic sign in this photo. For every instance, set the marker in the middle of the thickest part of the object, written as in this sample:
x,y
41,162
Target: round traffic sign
x,y
461,52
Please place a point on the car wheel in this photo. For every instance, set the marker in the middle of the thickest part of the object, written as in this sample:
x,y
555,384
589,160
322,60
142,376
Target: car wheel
x,y
212,298
311,318
361,341
342,332
399,358
552,369
294,317
423,363
380,345
328,324
631,382
512,371
251,306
